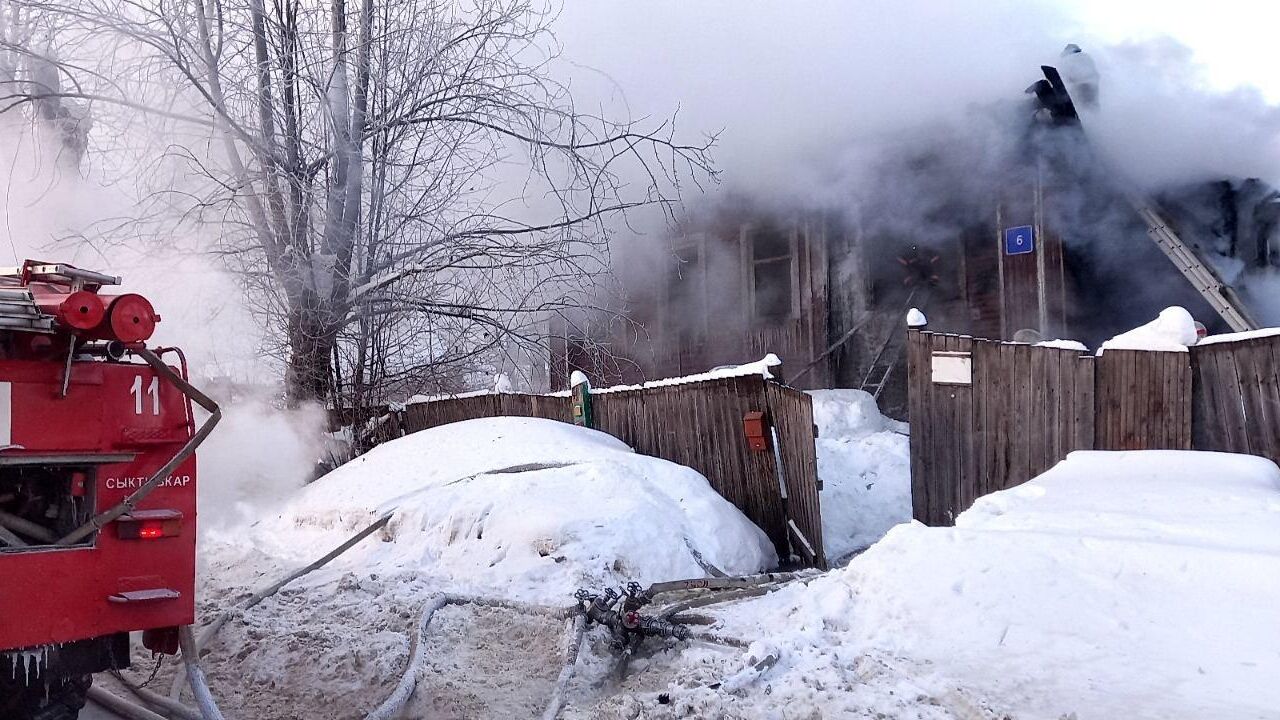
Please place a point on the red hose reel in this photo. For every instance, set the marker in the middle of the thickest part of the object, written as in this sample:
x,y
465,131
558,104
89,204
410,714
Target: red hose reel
x,y
127,318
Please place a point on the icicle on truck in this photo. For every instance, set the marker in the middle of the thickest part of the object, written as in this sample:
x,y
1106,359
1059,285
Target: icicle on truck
x,y
97,486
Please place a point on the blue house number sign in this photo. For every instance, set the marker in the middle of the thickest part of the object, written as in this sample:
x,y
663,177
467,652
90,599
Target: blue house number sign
x,y
1019,240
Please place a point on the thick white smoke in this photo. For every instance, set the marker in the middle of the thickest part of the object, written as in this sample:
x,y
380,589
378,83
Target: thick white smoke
x,y
824,105
793,86
51,212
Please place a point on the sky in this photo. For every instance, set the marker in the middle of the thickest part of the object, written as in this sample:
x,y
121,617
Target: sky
x,y
1235,40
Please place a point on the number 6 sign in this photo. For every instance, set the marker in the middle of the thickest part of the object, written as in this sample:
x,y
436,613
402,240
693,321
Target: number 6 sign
x,y
1019,240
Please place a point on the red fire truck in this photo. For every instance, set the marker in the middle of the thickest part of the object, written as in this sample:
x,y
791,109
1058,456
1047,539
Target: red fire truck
x,y
97,486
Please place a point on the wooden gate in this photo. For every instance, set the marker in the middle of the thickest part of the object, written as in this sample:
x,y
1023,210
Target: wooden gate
x,y
1143,400
1021,410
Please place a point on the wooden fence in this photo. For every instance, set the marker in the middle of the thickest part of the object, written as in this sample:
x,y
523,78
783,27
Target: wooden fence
x,y
698,424
1236,397
1022,408
1142,400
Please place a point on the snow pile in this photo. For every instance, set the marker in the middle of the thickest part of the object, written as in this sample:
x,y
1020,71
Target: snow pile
x,y
520,507
864,464
1174,330
915,318
1129,584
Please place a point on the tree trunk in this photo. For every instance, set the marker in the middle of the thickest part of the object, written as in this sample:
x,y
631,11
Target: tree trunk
x,y
311,344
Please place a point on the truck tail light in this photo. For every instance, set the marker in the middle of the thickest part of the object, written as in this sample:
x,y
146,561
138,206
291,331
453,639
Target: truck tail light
x,y
149,525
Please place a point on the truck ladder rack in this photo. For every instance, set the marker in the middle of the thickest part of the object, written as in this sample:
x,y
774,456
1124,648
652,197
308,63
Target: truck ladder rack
x,y
18,311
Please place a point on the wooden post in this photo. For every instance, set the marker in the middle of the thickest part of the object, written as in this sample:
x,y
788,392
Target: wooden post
x,y
1038,239
1004,323
581,394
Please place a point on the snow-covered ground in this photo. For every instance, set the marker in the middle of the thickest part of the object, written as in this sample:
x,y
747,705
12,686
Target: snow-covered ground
x,y
517,508
864,464
1117,585
1134,585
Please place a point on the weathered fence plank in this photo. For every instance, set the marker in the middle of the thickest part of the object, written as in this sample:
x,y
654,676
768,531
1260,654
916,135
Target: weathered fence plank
x,y
1237,396
1140,402
917,351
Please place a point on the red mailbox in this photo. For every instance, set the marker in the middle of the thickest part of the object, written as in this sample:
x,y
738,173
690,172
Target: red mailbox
x,y
754,427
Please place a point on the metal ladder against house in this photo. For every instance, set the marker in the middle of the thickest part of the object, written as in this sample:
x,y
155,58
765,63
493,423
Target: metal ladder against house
x,y
883,363
1220,296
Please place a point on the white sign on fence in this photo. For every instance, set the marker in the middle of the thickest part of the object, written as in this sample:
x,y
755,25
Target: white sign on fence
x,y
952,368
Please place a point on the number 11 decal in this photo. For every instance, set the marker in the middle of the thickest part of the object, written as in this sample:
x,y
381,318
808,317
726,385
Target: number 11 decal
x,y
153,390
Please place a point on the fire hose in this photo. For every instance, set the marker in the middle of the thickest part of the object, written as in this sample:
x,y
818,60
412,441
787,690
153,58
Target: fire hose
x,y
195,675
120,706
208,708
399,697
573,642
173,701
617,612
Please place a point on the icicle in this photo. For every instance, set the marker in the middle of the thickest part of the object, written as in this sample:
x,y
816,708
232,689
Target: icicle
x,y
37,657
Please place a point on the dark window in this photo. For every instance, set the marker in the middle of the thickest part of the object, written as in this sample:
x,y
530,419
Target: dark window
x,y
686,293
773,287
770,242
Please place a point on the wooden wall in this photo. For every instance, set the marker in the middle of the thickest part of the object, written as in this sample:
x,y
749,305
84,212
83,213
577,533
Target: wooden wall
x,y
672,334
695,424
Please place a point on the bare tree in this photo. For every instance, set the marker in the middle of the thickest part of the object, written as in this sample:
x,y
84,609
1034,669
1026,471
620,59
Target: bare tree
x,y
29,69
403,186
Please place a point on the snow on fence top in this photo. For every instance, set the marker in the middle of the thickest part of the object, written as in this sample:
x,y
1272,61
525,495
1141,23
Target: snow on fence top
x,y
1172,331
1064,345
1236,336
759,367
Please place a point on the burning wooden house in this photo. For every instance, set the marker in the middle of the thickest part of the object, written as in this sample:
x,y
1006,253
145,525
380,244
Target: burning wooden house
x,y
1044,244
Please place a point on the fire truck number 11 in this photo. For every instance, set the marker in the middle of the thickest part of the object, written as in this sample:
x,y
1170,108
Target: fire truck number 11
x,y
153,390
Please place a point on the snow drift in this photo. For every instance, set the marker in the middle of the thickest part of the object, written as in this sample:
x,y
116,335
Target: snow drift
x,y
521,507
1124,584
865,465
